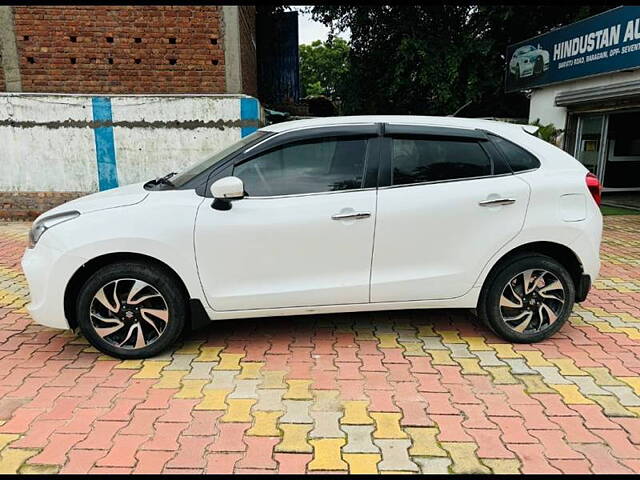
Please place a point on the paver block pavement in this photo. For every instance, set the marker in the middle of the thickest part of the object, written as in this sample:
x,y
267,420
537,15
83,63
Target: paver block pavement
x,y
384,392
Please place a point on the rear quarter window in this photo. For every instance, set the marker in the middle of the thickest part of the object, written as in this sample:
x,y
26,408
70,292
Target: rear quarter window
x,y
518,158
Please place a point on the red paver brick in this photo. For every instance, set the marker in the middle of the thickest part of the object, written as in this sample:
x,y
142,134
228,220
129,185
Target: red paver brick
x,y
619,443
439,404
490,444
632,427
572,466
451,428
158,398
56,450
513,430
81,461
574,430
38,434
593,417
152,461
230,438
203,423
555,447
179,410
532,458
21,419
101,435
222,462
259,453
123,452
165,436
601,459
381,401
431,383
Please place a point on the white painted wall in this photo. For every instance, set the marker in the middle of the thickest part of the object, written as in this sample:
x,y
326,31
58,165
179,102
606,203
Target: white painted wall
x,y
542,103
56,157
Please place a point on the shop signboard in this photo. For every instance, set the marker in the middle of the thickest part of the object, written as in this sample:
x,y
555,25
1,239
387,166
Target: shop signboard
x,y
604,43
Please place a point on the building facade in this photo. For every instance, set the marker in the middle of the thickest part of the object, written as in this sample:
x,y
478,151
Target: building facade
x,y
584,78
128,49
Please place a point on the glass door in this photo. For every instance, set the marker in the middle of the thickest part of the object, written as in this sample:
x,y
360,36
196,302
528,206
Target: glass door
x,y
589,143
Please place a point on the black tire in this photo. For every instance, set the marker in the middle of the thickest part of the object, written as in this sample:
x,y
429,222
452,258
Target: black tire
x,y
490,311
171,294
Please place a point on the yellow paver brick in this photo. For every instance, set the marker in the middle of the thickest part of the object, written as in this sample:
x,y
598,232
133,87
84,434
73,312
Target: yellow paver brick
x,y
477,344
463,455
471,366
504,350
326,454
273,379
213,400
571,395
602,376
239,410
426,331
129,364
191,347
502,465
229,361
502,375
7,438
387,425
298,390
611,406
209,354
355,413
151,369
11,459
633,382
535,359
441,357
327,401
265,424
388,340
170,379
450,336
294,438
535,384
414,349
39,469
363,462
567,367
424,442
191,389
250,370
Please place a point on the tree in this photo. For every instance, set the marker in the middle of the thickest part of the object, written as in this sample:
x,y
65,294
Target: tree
x,y
323,67
434,59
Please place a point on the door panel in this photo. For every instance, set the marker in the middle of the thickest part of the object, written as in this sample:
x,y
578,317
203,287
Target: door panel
x,y
432,240
286,251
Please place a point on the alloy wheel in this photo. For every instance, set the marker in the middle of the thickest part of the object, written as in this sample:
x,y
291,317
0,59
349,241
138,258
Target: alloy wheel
x,y
129,313
531,301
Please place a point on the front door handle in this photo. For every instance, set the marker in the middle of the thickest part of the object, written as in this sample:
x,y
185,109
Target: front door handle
x,y
495,202
351,216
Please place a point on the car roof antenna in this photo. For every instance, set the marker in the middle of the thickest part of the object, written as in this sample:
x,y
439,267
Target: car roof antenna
x,y
461,108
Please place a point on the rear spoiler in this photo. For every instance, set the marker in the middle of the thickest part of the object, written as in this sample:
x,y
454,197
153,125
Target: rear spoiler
x,y
532,129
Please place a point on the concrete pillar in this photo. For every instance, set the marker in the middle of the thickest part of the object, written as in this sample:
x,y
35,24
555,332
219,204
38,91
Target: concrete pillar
x,y
232,59
9,51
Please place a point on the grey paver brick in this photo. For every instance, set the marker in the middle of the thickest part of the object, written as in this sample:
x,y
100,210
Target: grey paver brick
x,y
200,371
552,376
296,411
489,359
221,379
180,362
519,366
433,464
359,439
395,456
326,425
245,389
270,400
626,396
587,385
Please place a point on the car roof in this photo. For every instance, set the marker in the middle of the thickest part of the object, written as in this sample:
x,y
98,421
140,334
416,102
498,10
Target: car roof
x,y
456,122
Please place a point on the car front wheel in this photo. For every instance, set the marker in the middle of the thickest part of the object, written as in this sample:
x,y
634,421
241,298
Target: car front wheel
x,y
131,310
528,299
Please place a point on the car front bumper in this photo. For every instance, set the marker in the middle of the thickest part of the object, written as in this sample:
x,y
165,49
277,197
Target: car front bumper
x,y
48,272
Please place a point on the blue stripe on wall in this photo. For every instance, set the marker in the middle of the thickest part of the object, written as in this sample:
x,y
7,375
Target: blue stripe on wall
x,y
248,111
105,148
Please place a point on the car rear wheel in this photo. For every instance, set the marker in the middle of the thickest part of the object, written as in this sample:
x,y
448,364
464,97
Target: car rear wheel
x,y
131,310
527,299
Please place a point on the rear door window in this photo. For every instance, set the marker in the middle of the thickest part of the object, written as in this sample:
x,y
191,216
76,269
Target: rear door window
x,y
519,159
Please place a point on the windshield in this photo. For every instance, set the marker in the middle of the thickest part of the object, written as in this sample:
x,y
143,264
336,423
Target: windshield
x,y
187,175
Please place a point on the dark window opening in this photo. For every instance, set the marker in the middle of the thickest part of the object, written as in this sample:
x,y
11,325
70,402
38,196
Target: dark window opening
x,y
137,40
519,159
418,160
31,60
173,61
110,61
215,61
214,41
109,39
309,166
73,60
137,60
73,38
172,40
25,38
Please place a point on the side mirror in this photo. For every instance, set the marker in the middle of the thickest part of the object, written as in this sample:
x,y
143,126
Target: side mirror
x,y
225,190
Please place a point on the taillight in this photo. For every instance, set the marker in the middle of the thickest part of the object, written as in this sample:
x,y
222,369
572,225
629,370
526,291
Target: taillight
x,y
593,184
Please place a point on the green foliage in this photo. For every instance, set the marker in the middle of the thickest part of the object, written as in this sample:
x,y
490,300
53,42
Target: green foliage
x,y
433,59
548,133
323,67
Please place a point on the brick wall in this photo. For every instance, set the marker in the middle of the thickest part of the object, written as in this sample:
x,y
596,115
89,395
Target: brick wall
x,y
248,50
120,49
28,205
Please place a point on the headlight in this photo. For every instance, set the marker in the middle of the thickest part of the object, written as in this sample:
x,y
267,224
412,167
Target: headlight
x,y
46,223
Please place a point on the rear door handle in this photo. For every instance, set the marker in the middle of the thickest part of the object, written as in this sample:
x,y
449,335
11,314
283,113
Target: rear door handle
x,y
497,202
351,216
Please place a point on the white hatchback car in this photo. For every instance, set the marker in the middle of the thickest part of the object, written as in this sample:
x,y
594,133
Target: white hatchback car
x,y
327,215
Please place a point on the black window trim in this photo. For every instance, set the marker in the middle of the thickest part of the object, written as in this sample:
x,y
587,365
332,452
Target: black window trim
x,y
478,136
